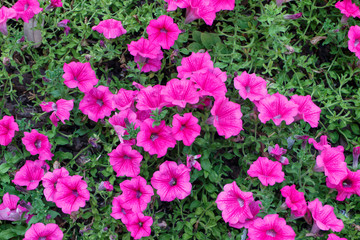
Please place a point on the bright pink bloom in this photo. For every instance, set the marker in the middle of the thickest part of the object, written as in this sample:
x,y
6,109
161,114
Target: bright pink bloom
x,y
5,14
348,8
97,103
185,128
269,228
39,231
324,216
224,5
124,99
71,193
191,162
26,9
172,181
255,207
9,210
105,185
332,162
150,98
195,63
348,186
278,108
180,92
174,4
118,211
219,74
234,204
295,200
209,84
354,40
321,145
29,175
79,75
56,3
203,9
125,161
277,153
61,110
50,180
120,122
139,225
63,23
111,28
37,143
250,86
226,117
307,110
7,130
163,31
267,171
332,236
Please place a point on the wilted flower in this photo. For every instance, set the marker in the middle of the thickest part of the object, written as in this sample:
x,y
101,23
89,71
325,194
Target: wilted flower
x,y
192,163
54,4
9,210
293,16
356,154
277,153
105,185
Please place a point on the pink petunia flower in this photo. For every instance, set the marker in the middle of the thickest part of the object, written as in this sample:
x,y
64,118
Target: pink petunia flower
x,y
277,108
39,231
26,9
332,236
120,121
347,186
61,110
110,28
118,211
277,153
79,75
172,181
163,31
321,145
324,217
271,227
195,63
200,9
224,5
180,92
125,161
174,4
139,225
307,110
71,193
150,98
348,8
7,130
9,210
209,84
124,99
106,185
267,171
185,128
97,103
5,14
250,86
255,207
54,4
226,117
63,23
29,175
295,200
37,143
49,181
192,163
354,40
234,204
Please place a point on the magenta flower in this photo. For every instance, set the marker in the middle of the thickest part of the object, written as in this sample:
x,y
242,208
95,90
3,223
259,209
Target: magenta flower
x,y
348,186
119,120
50,180
195,63
226,117
250,86
172,181
29,175
125,161
324,217
7,130
255,207
63,23
71,193
192,163
348,8
37,143
5,14
321,145
307,110
54,4
277,108
110,28
224,5
332,236
39,231
295,200
9,210
150,98
174,4
271,227
356,154
124,99
163,31
139,225
277,153
106,185
26,9
61,110
200,9
185,128
209,84
118,211
332,162
354,40
234,204
79,75
267,171
180,92
97,103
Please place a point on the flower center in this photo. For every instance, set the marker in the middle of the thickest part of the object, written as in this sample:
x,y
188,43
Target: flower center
x,y
347,183
99,102
26,7
37,143
123,211
357,41
138,194
278,116
172,182
126,157
247,88
154,136
182,127
76,194
140,224
42,238
241,202
163,30
271,233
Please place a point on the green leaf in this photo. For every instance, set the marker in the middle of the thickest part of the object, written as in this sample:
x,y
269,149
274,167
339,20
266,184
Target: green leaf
x,y
209,40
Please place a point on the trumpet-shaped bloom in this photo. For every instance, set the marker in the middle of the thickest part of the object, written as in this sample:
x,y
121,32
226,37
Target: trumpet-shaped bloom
x,y
97,103
172,181
139,225
29,175
348,186
332,162
5,14
307,110
150,98
324,216
348,8
234,204
9,210
295,200
226,117
269,228
200,9
110,28
192,163
124,99
224,5
195,63
39,231
180,92
277,153
71,193
185,128
61,110
277,108
250,86
209,84
255,207
7,130
120,121
50,180
79,75
174,4
37,143
332,236
125,161
163,31
267,171
118,211
26,9
354,40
